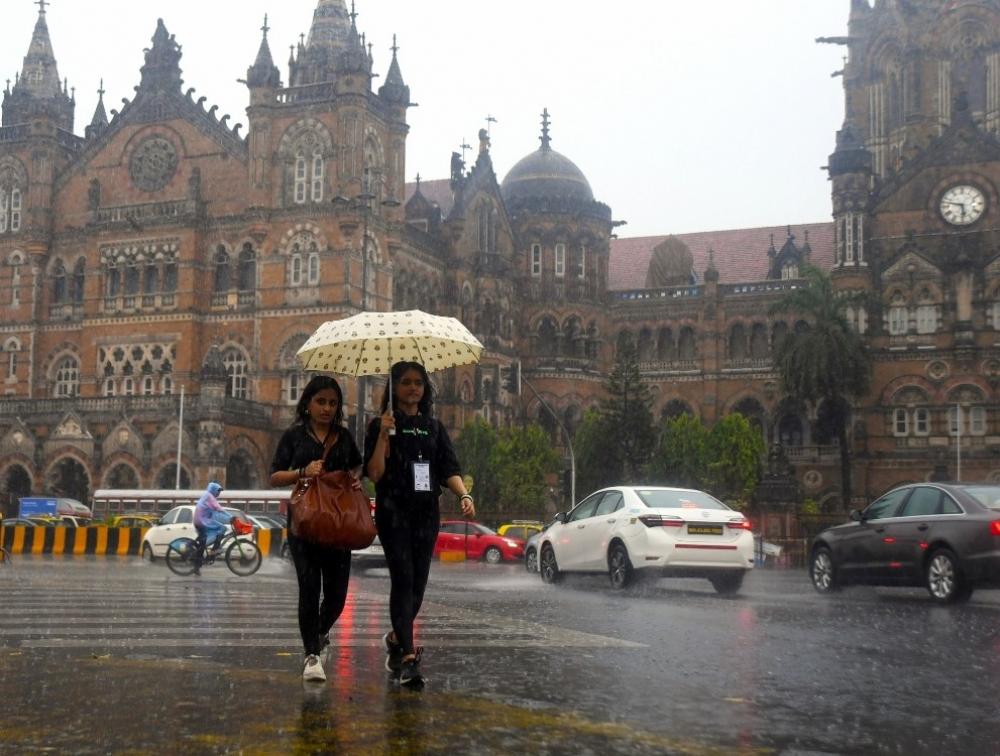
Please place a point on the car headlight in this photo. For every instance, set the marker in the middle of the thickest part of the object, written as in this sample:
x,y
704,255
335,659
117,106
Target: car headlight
x,y
512,544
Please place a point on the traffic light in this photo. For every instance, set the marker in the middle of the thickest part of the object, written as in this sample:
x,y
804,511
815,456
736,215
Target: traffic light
x,y
512,378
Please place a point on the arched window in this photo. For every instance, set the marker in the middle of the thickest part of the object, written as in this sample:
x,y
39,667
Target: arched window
x,y
899,315
645,352
301,177
926,312
758,341
665,350
150,279
59,283
547,337
295,265
10,209
67,378
318,172
313,267
560,260
237,385
148,386
687,348
789,270
167,385
12,347
15,280
737,342
221,270
128,386
484,228
169,275
247,269
79,281
109,387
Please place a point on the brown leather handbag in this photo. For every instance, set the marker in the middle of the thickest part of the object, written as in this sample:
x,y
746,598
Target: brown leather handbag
x,y
328,510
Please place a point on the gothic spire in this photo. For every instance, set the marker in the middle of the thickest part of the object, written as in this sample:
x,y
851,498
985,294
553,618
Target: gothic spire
x,y
100,119
38,89
395,89
263,73
162,69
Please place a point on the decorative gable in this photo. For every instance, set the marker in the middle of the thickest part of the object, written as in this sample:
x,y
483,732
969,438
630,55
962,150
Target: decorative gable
x,y
71,428
911,264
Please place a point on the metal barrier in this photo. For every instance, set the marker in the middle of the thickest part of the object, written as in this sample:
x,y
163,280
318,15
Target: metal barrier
x,y
100,540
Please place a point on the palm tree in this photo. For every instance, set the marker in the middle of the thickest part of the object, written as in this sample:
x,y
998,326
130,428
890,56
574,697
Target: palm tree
x,y
827,363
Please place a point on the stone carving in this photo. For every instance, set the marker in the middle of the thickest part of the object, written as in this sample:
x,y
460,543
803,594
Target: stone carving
x,y
153,164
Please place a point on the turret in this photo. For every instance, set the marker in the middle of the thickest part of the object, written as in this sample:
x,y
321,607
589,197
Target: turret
x,y
100,120
162,71
850,168
394,90
263,77
37,90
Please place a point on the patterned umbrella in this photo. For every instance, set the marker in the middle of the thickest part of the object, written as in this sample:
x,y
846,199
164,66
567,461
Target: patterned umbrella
x,y
370,342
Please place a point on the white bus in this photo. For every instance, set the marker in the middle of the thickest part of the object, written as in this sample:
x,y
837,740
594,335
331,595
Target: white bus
x,y
107,502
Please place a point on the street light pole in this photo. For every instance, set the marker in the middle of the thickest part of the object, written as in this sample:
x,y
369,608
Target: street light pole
x,y
569,441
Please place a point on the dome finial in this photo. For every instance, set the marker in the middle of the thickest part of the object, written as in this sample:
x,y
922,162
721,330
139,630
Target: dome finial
x,y
545,138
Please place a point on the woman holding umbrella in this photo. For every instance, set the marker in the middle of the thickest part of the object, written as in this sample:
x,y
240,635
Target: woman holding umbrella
x,y
409,457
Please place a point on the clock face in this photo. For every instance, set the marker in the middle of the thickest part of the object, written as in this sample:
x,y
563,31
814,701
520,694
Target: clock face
x,y
962,205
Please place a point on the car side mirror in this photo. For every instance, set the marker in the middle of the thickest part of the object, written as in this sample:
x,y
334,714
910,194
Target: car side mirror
x,y
856,515
561,517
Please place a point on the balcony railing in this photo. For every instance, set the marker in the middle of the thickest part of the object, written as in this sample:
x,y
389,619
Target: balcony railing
x,y
671,292
812,453
748,363
147,212
121,303
761,287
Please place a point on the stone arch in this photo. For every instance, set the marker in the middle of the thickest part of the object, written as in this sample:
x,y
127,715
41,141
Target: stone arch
x,y
167,476
737,344
676,408
666,349
121,475
753,410
242,470
759,344
15,482
304,132
547,335
646,347
687,344
68,476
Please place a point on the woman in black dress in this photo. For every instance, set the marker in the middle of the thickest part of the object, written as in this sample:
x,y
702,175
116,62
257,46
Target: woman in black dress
x,y
317,442
409,469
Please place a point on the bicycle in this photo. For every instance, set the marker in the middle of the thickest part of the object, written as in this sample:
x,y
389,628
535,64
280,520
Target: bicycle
x,y
242,555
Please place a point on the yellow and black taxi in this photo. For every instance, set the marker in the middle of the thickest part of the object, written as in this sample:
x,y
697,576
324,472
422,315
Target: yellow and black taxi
x,y
134,520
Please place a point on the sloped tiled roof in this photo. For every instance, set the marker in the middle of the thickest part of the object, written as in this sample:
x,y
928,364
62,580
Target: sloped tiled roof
x,y
740,254
437,191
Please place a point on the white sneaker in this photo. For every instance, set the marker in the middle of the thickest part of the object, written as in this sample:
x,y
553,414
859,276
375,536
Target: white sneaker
x,y
313,669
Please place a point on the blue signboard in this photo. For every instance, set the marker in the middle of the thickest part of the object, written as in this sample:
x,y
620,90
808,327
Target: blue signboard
x,y
31,507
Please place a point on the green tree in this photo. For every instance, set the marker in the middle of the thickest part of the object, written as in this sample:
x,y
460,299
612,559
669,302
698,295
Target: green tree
x,y
628,417
475,446
681,454
735,451
522,459
827,363
590,446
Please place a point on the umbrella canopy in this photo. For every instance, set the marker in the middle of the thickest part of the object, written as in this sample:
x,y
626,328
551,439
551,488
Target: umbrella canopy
x,y
370,342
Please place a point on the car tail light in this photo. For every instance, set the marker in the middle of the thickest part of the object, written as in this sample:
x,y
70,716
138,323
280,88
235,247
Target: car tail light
x,y
739,524
661,521
995,528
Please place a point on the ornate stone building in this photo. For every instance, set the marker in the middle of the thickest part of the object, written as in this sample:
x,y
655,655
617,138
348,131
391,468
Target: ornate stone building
x,y
164,251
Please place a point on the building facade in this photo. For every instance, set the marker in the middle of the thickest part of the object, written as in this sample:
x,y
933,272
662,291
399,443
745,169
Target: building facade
x,y
164,254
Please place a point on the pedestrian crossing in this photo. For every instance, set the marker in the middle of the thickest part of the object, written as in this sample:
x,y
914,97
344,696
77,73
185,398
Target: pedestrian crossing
x,y
119,613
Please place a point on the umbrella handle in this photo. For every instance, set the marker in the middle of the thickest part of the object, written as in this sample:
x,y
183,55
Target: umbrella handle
x,y
390,431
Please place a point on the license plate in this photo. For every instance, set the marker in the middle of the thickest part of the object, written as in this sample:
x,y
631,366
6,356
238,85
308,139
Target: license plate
x,y
704,530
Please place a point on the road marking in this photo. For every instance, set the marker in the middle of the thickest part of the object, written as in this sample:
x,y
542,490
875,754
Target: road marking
x,y
153,619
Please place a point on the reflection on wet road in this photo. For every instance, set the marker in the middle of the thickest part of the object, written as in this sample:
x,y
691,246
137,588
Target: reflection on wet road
x,y
168,664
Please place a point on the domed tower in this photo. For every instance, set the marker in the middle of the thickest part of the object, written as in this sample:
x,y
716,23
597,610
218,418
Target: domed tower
x,y
563,236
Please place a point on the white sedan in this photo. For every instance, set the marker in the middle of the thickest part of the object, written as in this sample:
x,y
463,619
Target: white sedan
x,y
177,523
668,532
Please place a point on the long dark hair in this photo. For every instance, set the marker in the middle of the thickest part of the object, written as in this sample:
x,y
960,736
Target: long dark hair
x,y
317,384
426,402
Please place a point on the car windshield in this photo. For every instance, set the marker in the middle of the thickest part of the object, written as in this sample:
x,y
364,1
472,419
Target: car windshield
x,y
475,527
668,499
988,496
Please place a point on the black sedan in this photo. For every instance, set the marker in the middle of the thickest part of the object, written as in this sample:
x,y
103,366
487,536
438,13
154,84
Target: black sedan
x,y
945,536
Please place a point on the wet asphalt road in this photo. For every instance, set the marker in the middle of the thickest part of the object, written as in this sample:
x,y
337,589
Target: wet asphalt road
x,y
112,655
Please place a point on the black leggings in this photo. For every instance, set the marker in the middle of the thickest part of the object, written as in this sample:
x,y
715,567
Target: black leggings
x,y
319,567
408,539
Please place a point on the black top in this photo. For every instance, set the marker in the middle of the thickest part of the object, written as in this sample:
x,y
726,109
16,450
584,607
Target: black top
x,y
297,448
417,438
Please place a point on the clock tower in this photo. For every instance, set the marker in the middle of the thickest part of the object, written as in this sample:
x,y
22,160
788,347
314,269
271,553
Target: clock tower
x,y
915,178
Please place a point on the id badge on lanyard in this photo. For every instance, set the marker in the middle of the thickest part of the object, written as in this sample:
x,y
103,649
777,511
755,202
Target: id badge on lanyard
x,y
421,476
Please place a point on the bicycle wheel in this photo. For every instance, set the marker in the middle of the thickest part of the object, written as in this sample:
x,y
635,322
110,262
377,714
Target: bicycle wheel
x,y
243,557
180,556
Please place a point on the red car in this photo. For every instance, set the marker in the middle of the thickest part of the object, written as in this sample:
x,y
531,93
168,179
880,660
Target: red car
x,y
477,542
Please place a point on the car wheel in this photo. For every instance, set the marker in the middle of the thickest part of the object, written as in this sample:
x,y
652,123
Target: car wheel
x,y
823,572
147,553
728,583
547,566
531,560
493,555
945,581
619,567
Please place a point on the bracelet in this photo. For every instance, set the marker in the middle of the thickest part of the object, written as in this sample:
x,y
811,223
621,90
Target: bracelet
x,y
302,472
465,496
